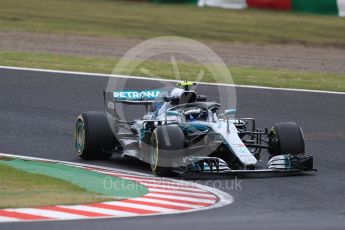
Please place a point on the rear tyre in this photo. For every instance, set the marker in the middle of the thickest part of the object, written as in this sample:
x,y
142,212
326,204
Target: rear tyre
x,y
93,136
286,138
167,144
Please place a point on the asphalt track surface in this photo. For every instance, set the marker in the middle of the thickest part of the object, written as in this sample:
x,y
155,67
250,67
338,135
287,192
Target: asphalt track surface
x,y
37,113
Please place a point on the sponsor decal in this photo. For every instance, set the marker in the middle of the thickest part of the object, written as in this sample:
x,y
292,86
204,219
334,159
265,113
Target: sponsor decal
x,y
111,105
243,150
136,95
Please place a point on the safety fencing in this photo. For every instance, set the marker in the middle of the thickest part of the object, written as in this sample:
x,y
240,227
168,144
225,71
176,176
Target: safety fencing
x,y
327,7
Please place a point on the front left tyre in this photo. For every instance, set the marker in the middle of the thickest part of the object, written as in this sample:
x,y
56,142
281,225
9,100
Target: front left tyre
x,y
167,145
93,136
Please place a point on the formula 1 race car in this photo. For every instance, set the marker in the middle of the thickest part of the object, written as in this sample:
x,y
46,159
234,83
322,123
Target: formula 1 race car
x,y
183,132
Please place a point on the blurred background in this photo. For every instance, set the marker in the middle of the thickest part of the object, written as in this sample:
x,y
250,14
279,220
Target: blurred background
x,y
280,43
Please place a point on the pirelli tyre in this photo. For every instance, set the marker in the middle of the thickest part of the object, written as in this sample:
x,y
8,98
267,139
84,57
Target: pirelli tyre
x,y
286,138
93,136
167,146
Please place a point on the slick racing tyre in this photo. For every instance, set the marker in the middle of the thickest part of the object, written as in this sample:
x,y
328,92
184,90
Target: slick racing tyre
x,y
93,136
286,138
167,145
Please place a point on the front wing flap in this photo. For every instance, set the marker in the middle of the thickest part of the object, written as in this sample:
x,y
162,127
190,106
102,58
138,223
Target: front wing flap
x,y
281,164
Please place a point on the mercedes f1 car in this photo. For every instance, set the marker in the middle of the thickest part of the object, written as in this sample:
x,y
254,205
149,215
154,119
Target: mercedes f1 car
x,y
182,132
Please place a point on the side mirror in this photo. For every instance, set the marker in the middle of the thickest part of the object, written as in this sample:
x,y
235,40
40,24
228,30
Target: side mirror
x,y
192,111
226,113
229,111
172,113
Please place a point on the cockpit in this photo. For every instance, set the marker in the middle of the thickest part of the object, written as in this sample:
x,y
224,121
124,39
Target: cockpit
x,y
198,111
189,105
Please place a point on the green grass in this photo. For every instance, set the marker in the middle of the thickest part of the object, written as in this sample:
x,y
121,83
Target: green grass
x,y
189,71
21,189
145,20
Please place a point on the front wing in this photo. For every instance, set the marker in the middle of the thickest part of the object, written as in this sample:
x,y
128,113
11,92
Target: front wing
x,y
281,163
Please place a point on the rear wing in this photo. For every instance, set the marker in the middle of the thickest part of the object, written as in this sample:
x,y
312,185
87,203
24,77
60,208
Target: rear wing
x,y
129,97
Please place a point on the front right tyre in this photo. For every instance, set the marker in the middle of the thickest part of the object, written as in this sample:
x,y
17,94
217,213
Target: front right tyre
x,y
286,138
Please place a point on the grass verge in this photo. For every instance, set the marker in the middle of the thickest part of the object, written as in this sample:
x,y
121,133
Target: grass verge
x,y
20,189
189,71
145,20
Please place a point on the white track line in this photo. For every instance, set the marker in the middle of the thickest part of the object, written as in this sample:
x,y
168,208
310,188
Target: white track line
x,y
85,74
100,210
182,198
8,219
47,213
140,206
167,202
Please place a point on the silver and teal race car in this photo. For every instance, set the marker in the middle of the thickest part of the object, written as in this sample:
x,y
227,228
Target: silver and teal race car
x,y
182,132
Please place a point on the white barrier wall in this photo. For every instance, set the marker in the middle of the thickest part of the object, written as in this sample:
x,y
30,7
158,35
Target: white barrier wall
x,y
341,7
229,4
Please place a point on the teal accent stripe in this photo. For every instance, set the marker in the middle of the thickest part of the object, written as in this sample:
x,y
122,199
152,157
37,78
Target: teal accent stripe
x,y
193,127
